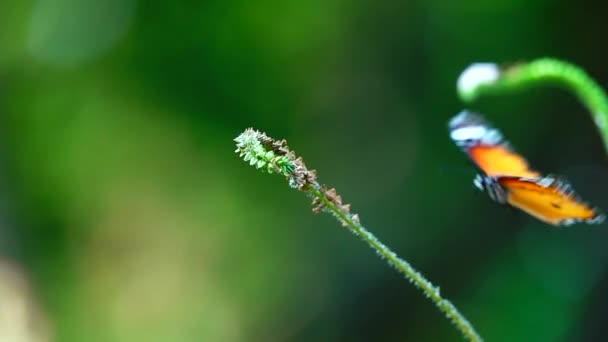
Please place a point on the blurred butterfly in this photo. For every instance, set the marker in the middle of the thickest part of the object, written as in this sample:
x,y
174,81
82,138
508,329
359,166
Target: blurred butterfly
x,y
507,177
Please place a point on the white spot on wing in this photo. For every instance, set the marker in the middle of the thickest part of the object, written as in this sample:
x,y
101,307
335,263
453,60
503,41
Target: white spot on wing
x,y
468,133
492,137
478,182
568,222
599,219
461,119
546,182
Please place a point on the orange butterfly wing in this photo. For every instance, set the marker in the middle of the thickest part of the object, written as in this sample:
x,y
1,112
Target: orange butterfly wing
x,y
549,202
500,160
487,147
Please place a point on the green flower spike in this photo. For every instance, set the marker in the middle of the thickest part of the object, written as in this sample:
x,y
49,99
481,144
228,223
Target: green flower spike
x,y
273,156
250,148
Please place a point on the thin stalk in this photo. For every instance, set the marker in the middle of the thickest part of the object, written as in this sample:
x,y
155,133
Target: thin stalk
x,y
275,157
415,277
485,78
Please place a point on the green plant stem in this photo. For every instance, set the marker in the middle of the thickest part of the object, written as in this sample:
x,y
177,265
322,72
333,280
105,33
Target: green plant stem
x,y
557,72
402,266
274,156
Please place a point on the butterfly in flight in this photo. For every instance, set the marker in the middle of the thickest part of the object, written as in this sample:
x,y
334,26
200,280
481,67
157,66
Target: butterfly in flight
x,y
507,177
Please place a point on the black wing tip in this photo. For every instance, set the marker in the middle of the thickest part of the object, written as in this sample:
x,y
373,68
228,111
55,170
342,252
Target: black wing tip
x,y
467,118
562,185
598,219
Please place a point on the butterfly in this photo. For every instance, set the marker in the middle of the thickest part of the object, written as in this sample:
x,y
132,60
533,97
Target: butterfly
x,y
508,178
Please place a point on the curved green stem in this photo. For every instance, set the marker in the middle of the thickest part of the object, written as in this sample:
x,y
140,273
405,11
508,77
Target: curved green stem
x,y
431,291
542,71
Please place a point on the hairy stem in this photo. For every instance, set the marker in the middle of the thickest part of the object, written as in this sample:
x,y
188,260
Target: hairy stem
x,y
540,71
275,157
402,266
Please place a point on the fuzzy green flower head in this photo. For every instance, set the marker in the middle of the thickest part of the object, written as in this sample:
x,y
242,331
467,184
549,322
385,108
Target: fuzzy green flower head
x,y
251,147
475,76
274,156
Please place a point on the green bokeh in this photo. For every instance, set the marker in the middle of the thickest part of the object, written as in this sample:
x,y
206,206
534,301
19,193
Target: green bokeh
x,y
127,216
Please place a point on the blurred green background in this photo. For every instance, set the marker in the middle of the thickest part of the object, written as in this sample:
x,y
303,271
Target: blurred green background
x,y
126,216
